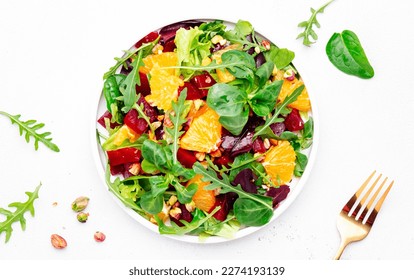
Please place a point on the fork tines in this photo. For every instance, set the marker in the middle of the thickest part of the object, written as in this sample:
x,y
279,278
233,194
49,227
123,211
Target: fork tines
x,y
363,209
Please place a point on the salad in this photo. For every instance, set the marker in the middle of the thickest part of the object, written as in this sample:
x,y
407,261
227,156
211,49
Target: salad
x,y
207,124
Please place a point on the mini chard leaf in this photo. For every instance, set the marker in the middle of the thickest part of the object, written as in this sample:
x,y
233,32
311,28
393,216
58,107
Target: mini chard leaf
x,y
308,25
346,53
30,129
18,214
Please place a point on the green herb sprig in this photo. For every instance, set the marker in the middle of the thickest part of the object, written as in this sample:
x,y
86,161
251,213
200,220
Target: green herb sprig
x,y
30,128
308,25
18,214
249,209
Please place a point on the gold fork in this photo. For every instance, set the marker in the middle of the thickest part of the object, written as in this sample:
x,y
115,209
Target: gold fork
x,y
353,225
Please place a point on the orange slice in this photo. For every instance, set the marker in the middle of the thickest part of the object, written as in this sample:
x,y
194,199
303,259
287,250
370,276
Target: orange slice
x,y
303,102
204,133
164,88
203,199
165,59
279,163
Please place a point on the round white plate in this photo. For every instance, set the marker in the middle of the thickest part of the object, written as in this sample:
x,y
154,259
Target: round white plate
x,y
296,185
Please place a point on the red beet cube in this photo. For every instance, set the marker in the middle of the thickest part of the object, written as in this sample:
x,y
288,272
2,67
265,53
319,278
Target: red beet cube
x,y
152,36
124,155
107,115
186,158
144,87
258,146
139,125
203,82
293,121
192,92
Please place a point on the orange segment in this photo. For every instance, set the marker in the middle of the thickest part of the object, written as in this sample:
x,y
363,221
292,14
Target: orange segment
x,y
303,102
279,163
165,59
203,199
164,88
204,133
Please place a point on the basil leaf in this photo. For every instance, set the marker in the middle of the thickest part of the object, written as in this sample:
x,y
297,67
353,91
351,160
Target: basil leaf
x,y
264,72
280,57
345,52
226,100
155,154
242,71
264,101
185,194
251,213
235,124
151,204
301,162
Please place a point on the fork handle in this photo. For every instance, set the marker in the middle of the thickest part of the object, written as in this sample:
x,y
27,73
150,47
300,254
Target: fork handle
x,y
344,243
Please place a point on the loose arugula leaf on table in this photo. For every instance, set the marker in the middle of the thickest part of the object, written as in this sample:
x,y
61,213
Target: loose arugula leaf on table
x,y
30,129
346,53
261,205
18,214
264,129
308,25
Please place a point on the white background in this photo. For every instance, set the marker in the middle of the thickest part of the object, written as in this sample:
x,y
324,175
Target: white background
x,y
52,57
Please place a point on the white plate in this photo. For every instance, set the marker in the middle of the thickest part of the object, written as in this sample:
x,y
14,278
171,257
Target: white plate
x,y
296,185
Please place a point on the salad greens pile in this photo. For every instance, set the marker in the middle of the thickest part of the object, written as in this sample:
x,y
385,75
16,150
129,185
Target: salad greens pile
x,y
222,155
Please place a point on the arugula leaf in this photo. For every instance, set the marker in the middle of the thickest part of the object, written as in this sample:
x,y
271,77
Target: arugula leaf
x,y
184,194
115,188
260,130
198,220
127,86
128,55
177,119
308,25
346,53
18,214
30,129
262,205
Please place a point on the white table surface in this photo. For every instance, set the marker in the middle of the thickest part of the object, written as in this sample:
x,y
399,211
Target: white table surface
x,y
52,57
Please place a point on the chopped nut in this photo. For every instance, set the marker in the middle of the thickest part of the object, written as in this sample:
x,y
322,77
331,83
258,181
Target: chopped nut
x,y
266,143
99,236
259,157
266,44
135,168
223,42
157,49
257,49
82,217
190,206
54,204
172,200
204,164
216,153
216,39
198,103
80,203
274,142
175,213
58,241
289,75
200,156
